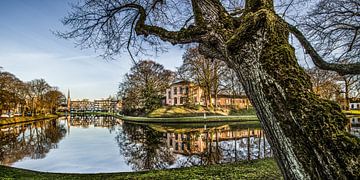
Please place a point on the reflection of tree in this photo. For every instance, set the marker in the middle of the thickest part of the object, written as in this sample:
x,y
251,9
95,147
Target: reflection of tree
x,y
86,121
143,147
32,140
223,145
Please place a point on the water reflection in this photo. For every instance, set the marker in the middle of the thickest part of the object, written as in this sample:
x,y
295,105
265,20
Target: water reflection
x,y
160,147
143,147
92,144
31,140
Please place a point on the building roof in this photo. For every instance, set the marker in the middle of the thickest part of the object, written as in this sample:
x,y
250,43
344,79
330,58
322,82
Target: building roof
x,y
181,82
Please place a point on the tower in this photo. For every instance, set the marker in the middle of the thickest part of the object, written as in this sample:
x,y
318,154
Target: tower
x,y
68,101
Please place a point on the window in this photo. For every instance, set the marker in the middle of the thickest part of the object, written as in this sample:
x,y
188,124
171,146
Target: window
x,y
187,90
182,100
169,94
175,90
175,100
181,90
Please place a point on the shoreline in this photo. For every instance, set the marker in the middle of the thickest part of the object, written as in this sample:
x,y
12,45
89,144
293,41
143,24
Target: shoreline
x,y
194,119
16,120
254,169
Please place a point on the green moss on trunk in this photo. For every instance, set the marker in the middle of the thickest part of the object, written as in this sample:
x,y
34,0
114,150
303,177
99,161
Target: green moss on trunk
x,y
316,127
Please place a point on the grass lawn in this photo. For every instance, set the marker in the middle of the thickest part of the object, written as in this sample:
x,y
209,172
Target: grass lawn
x,y
352,112
181,111
196,119
13,120
94,113
257,169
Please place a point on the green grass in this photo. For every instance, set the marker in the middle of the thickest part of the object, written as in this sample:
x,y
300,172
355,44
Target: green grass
x,y
181,111
352,112
13,120
257,169
196,119
94,113
242,112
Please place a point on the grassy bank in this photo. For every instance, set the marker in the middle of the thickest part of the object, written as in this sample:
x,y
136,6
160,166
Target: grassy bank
x,y
258,169
94,113
13,120
180,111
352,112
197,119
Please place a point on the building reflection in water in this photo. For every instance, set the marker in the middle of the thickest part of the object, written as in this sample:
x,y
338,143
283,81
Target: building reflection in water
x,y
92,121
157,147
218,145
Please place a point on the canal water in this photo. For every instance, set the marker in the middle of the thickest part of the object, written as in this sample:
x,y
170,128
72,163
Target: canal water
x,y
104,144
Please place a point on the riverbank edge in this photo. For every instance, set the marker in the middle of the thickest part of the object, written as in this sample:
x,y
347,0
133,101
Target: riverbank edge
x,y
16,120
255,169
195,119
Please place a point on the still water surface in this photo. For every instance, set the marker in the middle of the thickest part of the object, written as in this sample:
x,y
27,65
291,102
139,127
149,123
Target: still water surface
x,y
104,144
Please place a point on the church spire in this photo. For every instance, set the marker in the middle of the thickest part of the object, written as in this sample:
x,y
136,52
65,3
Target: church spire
x,y
68,101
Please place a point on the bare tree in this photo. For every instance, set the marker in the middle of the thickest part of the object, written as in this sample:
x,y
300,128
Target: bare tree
x,y
307,134
206,72
325,83
37,90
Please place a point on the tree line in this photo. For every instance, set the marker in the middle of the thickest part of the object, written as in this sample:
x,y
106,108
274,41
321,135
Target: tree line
x,y
33,97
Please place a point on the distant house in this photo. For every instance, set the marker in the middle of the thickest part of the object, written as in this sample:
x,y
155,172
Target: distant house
x,y
99,105
185,92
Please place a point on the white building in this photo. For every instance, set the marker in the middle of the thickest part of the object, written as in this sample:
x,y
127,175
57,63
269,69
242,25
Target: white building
x,y
178,93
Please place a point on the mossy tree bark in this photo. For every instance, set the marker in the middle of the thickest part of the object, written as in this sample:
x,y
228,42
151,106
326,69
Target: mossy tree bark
x,y
307,134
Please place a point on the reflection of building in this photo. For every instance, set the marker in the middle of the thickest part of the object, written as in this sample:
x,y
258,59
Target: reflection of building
x,y
184,92
355,105
196,143
355,120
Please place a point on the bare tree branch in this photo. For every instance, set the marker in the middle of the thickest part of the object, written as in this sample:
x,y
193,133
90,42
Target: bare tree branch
x,y
342,69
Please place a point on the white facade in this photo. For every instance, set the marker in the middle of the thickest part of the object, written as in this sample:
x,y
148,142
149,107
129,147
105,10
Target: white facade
x,y
178,93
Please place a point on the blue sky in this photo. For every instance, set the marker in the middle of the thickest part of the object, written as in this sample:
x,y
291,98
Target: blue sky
x,y
29,50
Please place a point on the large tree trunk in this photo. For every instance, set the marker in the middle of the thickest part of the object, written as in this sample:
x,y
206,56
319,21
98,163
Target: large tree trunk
x,y
307,134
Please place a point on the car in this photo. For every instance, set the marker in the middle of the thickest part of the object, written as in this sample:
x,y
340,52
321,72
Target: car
x,y
17,114
4,116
